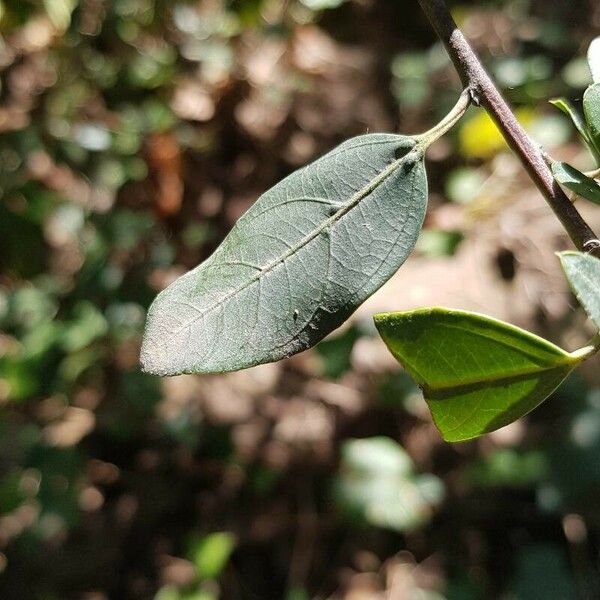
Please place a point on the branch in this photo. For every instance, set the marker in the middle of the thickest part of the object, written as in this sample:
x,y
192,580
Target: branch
x,y
485,93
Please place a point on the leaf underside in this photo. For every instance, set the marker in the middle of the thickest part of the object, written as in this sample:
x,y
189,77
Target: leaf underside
x,y
477,373
296,264
583,274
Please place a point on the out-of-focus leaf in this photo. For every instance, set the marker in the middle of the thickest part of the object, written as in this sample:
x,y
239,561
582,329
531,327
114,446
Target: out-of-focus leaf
x,y
16,233
153,68
11,492
575,470
88,325
199,595
196,234
411,84
436,242
377,483
464,586
60,12
19,379
477,374
211,553
126,228
322,4
78,362
336,352
31,307
464,185
593,56
399,389
576,73
170,592
297,264
576,181
591,110
583,274
57,499
543,572
297,594
550,131
507,467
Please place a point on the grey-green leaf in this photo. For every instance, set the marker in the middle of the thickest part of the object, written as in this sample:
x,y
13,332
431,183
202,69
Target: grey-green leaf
x,y
591,110
576,181
296,264
583,274
477,373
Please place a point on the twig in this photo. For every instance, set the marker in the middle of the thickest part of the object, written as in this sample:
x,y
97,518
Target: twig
x,y
485,93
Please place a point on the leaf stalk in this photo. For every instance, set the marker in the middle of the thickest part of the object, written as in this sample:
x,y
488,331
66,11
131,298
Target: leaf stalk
x,y
424,140
588,351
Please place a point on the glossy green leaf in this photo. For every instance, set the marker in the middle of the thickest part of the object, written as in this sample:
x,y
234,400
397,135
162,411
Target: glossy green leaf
x,y
576,181
297,264
477,374
591,110
583,274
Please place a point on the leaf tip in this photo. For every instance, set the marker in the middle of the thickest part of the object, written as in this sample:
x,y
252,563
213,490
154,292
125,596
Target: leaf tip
x,y
157,356
149,353
566,255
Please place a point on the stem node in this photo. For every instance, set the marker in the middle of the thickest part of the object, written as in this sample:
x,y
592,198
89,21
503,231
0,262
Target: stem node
x,y
484,93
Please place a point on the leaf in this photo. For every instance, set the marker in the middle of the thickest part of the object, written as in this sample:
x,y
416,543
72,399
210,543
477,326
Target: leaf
x,y
211,553
591,110
583,274
565,106
543,571
297,264
336,352
377,484
434,243
576,181
477,374
593,56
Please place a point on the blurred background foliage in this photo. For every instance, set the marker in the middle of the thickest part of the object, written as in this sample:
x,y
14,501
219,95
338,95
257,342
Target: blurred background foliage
x,y
132,134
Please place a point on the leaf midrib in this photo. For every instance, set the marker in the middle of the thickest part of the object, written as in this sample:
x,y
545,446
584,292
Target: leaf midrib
x,y
497,377
414,155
